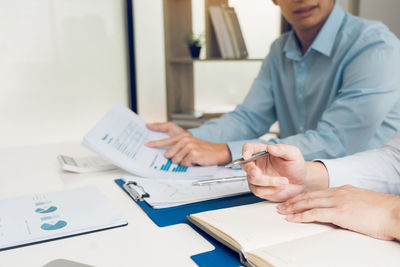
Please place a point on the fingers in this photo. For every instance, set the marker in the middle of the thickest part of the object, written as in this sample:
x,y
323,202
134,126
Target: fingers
x,y
266,192
286,152
323,215
251,148
181,155
159,126
326,193
316,206
266,180
167,142
306,204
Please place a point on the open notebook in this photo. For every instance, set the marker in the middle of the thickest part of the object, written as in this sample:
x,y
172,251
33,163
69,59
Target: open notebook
x,y
263,237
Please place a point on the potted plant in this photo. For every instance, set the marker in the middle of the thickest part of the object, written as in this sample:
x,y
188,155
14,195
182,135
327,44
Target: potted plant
x,y
194,42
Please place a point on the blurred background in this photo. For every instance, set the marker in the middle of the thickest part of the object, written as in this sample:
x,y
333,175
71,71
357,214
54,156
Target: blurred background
x,y
64,63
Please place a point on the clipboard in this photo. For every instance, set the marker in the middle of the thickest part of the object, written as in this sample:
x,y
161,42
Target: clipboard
x,y
174,215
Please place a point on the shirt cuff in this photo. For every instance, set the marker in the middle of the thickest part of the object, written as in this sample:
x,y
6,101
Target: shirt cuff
x,y
336,171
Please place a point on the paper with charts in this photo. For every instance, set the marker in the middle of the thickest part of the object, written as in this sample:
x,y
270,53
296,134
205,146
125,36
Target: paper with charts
x,y
119,138
46,216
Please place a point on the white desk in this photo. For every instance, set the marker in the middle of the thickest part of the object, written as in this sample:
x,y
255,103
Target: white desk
x,y
27,170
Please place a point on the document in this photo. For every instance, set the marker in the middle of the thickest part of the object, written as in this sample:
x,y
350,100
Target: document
x,y
42,217
119,137
165,193
263,237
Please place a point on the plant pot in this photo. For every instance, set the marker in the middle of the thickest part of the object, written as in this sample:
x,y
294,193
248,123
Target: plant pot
x,y
195,51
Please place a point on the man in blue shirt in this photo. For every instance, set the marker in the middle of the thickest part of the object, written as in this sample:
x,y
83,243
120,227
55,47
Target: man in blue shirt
x,y
333,83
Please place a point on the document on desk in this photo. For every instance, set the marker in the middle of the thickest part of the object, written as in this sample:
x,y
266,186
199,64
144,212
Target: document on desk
x,y
47,216
119,137
165,193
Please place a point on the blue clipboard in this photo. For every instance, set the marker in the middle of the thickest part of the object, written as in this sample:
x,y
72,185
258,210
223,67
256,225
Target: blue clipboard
x,y
221,255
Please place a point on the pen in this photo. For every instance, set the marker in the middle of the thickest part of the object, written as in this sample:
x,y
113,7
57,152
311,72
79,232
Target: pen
x,y
219,180
241,160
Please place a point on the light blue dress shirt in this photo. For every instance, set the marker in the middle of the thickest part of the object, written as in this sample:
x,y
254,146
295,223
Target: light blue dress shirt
x,y
342,96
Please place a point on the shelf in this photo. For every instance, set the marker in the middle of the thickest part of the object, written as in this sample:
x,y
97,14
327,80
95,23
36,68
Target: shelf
x,y
191,60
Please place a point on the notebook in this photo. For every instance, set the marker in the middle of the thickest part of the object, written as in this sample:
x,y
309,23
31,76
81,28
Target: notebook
x,y
263,237
48,216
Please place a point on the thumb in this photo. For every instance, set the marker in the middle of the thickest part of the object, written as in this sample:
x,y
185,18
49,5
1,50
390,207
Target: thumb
x,y
286,152
158,126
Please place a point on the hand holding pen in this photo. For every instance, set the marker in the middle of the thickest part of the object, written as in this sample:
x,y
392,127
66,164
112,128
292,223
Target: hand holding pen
x,y
277,177
234,163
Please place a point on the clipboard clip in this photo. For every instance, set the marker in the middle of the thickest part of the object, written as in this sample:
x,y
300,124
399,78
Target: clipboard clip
x,y
135,190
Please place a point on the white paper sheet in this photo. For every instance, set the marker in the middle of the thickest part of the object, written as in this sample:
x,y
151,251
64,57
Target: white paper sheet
x,y
119,138
165,193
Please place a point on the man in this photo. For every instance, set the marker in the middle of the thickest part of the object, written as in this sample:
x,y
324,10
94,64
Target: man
x,y
285,176
333,84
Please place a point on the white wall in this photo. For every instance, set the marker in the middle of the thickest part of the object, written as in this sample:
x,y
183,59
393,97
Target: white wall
x,y
386,11
150,62
62,64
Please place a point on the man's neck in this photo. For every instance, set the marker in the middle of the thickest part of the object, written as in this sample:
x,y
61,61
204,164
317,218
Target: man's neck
x,y
307,37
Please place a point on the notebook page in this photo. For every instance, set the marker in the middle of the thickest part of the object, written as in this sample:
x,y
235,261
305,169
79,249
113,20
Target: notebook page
x,y
258,225
333,248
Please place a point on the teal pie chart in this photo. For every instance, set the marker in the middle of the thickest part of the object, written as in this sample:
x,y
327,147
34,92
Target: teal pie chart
x,y
48,210
58,225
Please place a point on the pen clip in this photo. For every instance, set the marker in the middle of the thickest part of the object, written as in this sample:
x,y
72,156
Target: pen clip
x,y
132,188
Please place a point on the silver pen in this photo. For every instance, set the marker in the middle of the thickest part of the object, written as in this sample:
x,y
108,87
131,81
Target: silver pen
x,y
219,180
242,161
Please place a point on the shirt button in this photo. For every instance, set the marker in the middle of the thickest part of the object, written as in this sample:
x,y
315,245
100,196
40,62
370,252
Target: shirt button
x,y
300,96
301,128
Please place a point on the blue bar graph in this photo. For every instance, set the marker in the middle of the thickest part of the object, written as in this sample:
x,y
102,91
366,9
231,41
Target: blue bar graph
x,y
180,168
166,166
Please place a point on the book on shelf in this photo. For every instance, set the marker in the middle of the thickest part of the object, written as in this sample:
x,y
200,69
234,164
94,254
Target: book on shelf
x,y
221,31
228,33
262,237
235,31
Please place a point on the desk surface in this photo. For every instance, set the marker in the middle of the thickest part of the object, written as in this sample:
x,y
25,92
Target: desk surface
x,y
28,170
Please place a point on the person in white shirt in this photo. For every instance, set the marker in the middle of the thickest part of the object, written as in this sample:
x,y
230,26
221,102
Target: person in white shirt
x,y
358,192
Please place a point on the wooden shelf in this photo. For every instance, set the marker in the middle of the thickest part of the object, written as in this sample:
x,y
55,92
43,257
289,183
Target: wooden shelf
x,y
191,60
178,63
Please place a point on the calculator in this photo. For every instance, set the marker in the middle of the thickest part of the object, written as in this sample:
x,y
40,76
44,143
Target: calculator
x,y
84,164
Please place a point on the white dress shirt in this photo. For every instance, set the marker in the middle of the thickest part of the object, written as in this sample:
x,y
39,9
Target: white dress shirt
x,y
377,170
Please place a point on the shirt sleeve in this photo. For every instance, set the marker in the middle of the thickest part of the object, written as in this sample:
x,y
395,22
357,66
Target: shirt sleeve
x,y
370,90
377,170
249,120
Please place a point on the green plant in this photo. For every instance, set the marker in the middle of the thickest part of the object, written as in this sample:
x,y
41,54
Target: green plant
x,y
194,39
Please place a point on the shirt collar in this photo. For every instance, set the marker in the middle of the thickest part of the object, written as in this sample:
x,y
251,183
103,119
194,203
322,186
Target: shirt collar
x,y
325,39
